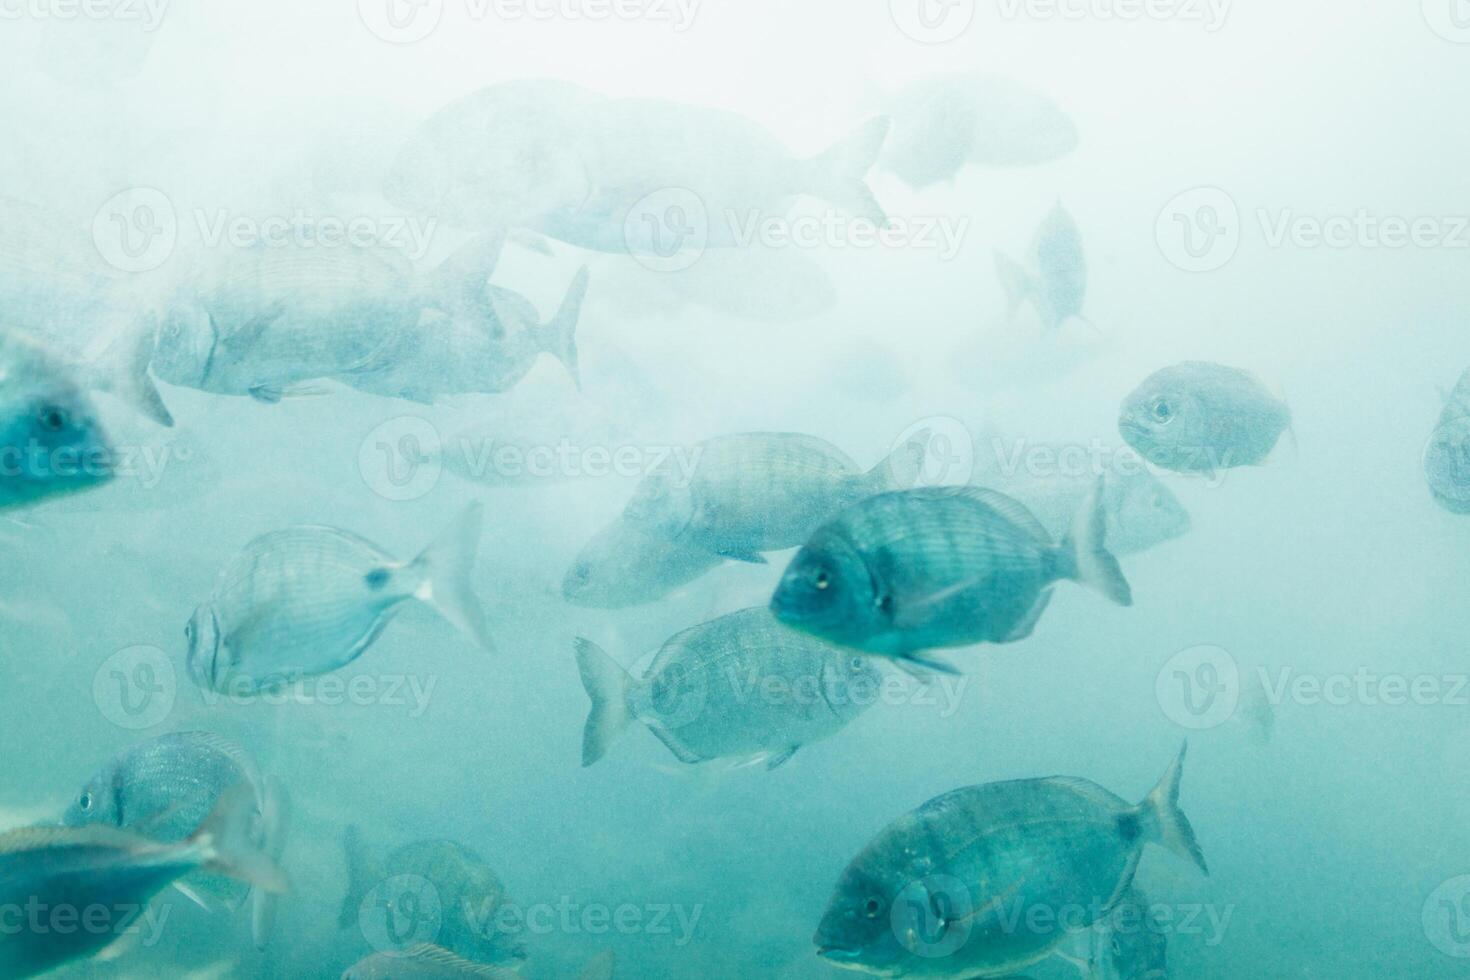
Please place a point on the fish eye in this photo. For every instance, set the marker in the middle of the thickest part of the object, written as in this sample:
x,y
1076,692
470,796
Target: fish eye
x,y
51,418
823,580
885,603
856,663
1161,410
189,631
85,802
872,907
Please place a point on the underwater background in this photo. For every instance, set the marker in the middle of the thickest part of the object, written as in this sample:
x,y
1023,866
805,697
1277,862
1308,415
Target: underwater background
x,y
1333,819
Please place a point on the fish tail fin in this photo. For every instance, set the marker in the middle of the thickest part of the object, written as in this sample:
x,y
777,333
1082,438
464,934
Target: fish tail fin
x,y
121,370
838,174
226,841
900,469
559,336
1015,281
274,817
1161,820
446,575
607,687
1086,555
358,875
465,275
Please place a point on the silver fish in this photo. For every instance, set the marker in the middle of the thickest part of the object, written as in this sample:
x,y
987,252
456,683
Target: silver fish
x,y
940,567
1447,455
761,491
1198,417
739,687
308,600
1131,943
1054,279
1141,512
97,873
51,442
423,962
949,889
265,322
943,123
468,895
624,565
578,167
164,788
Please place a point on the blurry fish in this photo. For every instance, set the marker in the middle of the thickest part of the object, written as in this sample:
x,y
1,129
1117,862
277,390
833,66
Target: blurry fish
x,y
939,892
469,894
498,157
164,788
1140,511
1198,417
309,600
423,962
709,692
265,322
940,567
739,495
1447,456
942,123
577,166
50,440
82,868
1132,943
625,565
1054,280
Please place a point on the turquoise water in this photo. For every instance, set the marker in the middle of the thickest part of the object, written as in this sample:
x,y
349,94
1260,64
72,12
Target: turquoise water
x,y
1237,182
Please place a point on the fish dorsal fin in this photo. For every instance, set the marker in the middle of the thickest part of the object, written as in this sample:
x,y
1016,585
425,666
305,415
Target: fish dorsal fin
x,y
427,954
1007,507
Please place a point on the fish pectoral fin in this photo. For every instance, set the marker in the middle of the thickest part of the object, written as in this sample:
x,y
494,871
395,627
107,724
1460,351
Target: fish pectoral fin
x,y
1027,625
739,554
680,751
923,669
1074,960
193,896
780,758
273,394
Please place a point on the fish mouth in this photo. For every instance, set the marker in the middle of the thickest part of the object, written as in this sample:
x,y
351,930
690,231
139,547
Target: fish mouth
x,y
1127,427
840,953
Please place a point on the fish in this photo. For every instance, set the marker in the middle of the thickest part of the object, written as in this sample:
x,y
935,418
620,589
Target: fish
x,y
1140,511
308,600
423,961
947,122
761,491
948,889
742,686
51,441
625,565
1447,455
1199,417
936,567
1131,943
578,167
268,322
165,787
93,873
1054,279
468,895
